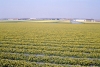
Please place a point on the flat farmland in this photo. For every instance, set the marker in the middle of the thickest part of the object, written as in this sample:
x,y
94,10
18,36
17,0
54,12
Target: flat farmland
x,y
49,45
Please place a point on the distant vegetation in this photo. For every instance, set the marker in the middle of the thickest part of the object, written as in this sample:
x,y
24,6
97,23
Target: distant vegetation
x,y
43,21
49,45
37,21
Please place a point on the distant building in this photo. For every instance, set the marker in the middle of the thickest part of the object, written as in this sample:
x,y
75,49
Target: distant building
x,y
32,18
90,20
15,19
79,20
97,20
10,19
24,19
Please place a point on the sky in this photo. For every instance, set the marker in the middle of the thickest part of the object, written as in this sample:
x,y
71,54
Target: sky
x,y
50,9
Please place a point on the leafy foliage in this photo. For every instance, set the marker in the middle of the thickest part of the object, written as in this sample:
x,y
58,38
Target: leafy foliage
x,y
49,45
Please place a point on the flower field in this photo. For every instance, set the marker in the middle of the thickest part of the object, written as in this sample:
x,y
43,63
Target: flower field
x,y
49,45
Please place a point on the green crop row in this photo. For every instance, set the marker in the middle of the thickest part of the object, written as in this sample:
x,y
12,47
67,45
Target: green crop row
x,y
56,53
52,59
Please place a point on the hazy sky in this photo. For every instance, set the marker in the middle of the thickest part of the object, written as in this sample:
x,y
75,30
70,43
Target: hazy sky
x,y
50,9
